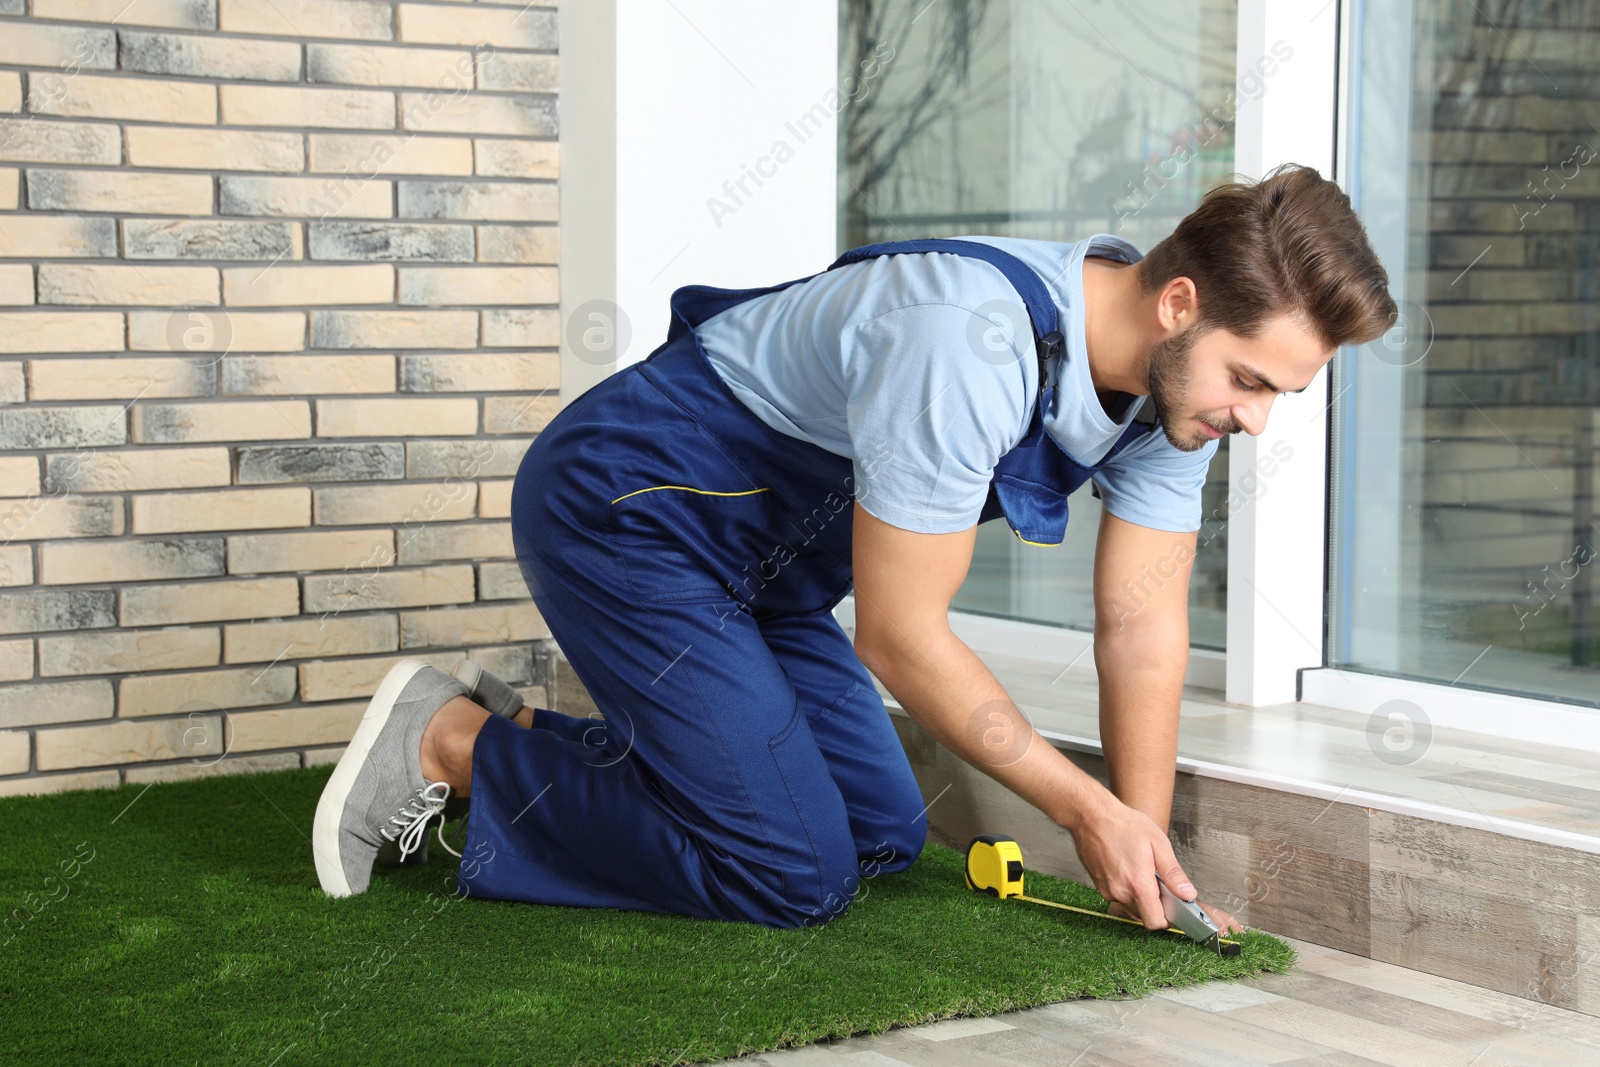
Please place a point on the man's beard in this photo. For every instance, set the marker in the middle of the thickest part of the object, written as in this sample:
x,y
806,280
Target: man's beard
x,y
1167,379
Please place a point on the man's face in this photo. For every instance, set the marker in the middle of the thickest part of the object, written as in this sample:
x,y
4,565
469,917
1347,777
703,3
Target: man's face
x,y
1208,383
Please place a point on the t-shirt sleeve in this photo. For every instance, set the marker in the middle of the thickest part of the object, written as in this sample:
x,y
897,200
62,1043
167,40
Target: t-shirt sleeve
x,y
929,417
1156,485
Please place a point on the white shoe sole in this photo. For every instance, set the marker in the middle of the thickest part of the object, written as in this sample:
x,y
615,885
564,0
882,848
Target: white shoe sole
x,y
330,807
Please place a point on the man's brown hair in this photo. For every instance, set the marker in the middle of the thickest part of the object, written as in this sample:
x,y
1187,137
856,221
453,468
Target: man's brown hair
x,y
1288,243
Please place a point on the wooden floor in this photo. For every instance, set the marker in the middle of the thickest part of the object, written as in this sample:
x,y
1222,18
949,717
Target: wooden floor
x,y
1479,861
1333,1010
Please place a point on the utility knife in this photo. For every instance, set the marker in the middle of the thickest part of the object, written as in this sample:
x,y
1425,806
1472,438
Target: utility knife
x,y
1191,918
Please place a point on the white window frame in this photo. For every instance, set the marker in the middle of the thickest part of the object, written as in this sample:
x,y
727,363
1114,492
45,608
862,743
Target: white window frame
x,y
1276,573
1502,715
663,104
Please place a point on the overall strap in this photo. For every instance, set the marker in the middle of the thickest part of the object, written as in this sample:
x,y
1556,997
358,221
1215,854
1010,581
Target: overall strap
x,y
1048,339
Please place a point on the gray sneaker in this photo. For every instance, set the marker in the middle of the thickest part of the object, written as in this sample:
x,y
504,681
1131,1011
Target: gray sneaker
x,y
487,690
377,793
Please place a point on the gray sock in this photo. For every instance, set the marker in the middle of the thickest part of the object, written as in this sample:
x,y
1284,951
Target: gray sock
x,y
490,692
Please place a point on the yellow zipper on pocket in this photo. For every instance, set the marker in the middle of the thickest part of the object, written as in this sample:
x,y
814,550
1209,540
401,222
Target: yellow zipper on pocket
x,y
692,489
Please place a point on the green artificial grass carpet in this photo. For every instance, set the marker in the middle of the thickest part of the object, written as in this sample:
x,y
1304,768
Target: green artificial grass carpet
x,y
189,928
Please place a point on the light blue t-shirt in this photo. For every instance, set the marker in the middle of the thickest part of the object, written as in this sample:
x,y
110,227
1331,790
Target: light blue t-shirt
x,y
920,369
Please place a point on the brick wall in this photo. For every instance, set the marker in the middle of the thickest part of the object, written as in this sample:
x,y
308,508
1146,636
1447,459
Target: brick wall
x,y
278,296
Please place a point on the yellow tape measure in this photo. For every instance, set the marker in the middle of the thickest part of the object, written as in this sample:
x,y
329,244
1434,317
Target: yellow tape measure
x,y
994,866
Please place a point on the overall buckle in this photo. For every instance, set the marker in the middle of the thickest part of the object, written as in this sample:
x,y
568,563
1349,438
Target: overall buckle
x,y
1049,345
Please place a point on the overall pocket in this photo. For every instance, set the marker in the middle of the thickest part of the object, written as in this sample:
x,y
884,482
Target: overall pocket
x,y
682,541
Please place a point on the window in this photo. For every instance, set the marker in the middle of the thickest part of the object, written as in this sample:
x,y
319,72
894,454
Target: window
x,y
1463,537
1050,122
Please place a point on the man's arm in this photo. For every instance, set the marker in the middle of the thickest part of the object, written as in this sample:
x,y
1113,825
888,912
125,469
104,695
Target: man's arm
x,y
904,583
1141,651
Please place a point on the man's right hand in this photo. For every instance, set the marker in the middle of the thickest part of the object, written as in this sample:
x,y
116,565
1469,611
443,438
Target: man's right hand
x,y
1123,849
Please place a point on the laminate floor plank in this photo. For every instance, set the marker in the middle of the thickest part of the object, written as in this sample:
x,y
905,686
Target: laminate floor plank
x,y
1574,1034
1340,1032
1335,1010
1194,1035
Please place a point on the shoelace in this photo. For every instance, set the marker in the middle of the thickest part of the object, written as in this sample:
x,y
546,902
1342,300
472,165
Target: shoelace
x,y
411,822
445,843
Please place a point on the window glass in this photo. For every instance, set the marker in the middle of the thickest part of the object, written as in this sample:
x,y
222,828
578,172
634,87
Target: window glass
x,y
1464,534
1054,122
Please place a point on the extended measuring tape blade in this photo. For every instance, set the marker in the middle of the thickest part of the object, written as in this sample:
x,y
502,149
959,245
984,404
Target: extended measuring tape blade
x,y
994,866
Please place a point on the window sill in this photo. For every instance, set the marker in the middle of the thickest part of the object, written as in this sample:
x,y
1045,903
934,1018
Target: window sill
x,y
1536,791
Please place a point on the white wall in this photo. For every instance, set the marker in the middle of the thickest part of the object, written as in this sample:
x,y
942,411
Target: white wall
x,y
685,161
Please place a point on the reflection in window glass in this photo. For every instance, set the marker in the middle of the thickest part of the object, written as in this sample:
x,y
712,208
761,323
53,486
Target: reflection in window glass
x,y
1463,548
1051,122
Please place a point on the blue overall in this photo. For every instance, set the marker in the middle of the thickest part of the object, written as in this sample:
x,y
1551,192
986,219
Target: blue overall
x,y
687,558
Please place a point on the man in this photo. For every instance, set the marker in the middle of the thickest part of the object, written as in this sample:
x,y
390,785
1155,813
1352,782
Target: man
x,y
686,527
